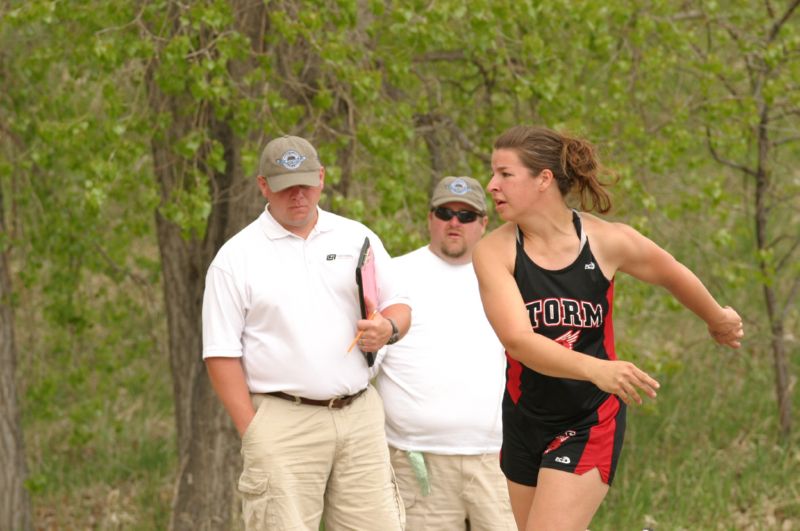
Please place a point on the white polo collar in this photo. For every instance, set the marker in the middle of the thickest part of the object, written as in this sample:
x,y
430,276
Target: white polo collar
x,y
275,230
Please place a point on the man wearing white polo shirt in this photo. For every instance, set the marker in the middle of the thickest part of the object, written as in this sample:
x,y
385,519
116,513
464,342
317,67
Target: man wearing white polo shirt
x,y
279,311
442,386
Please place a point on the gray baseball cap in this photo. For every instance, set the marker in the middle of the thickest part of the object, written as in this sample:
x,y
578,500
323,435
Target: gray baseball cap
x,y
289,161
464,189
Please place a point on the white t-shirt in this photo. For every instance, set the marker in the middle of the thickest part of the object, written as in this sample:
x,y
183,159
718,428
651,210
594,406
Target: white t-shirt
x,y
442,384
288,306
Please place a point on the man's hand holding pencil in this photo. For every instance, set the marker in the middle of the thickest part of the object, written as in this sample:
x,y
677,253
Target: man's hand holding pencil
x,y
373,333
357,339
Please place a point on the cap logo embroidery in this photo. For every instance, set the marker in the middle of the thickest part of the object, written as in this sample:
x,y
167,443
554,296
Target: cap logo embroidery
x,y
291,160
459,187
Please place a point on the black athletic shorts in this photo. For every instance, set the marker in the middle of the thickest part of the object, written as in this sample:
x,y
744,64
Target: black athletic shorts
x,y
594,441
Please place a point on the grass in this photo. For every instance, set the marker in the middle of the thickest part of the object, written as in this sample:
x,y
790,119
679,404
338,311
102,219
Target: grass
x,y
705,455
100,436
97,418
105,463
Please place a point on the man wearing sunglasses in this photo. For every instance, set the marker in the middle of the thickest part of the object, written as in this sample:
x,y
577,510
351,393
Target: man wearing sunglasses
x,y
442,384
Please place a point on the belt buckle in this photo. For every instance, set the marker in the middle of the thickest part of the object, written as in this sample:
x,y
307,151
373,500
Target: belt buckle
x,y
334,399
297,400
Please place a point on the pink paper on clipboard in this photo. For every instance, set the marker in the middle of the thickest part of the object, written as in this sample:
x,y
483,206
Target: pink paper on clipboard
x,y
367,283
367,287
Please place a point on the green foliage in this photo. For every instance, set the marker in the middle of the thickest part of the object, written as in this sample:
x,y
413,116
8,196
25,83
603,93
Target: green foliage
x,y
394,95
703,456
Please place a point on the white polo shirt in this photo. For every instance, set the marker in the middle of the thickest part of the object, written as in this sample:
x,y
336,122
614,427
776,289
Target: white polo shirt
x,y
442,384
288,306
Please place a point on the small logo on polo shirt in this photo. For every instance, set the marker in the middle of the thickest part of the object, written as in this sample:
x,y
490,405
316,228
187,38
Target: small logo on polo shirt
x,y
590,265
564,460
330,257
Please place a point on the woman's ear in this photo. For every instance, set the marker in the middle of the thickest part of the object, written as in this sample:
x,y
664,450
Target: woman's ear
x,y
546,178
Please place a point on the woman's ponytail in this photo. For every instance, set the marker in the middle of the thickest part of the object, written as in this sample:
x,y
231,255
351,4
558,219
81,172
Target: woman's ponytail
x,y
583,169
573,162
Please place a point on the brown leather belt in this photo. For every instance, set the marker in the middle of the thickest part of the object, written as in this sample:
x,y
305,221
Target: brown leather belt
x,y
335,403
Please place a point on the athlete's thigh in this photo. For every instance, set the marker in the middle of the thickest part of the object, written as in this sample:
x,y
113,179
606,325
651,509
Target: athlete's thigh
x,y
520,461
521,498
565,501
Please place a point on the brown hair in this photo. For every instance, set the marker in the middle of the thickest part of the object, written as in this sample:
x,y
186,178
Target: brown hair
x,y
573,162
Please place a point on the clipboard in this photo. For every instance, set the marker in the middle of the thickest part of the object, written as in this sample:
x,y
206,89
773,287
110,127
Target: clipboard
x,y
367,287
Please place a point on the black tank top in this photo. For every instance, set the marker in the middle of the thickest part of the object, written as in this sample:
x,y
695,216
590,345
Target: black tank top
x,y
571,306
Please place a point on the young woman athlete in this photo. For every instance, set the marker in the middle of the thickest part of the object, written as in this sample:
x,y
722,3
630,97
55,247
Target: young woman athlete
x,y
547,283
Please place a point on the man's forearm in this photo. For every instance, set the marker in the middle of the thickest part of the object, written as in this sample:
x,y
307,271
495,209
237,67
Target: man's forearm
x,y
227,378
401,315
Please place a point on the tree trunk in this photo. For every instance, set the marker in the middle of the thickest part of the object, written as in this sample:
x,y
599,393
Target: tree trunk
x,y
207,442
443,159
780,363
208,445
15,506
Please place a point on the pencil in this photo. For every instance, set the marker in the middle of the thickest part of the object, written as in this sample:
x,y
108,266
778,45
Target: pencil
x,y
360,333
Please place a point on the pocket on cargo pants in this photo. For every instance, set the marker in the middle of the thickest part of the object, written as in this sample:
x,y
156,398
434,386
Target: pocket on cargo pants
x,y
254,488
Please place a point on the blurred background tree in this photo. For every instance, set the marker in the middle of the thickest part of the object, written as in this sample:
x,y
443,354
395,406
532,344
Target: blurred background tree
x,y
131,133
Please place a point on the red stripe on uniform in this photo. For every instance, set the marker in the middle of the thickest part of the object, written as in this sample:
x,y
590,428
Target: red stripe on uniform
x,y
513,378
608,325
600,446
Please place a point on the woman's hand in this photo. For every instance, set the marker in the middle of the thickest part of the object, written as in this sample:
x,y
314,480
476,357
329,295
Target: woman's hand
x,y
727,329
625,380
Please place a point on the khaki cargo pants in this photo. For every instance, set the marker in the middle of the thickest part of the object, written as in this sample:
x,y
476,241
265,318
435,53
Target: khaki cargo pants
x,y
303,463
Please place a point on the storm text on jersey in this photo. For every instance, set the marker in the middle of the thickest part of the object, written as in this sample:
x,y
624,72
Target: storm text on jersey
x,y
558,311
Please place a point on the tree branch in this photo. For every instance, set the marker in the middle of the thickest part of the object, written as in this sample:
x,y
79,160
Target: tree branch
x,y
122,271
721,78
783,261
776,27
468,145
788,303
429,122
784,114
726,162
427,57
686,15
5,130
752,69
770,11
787,140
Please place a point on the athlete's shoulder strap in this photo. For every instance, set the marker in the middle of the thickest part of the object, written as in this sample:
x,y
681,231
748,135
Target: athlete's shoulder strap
x,y
576,221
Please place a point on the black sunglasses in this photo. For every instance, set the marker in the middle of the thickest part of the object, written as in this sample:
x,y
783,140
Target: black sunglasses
x,y
446,214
